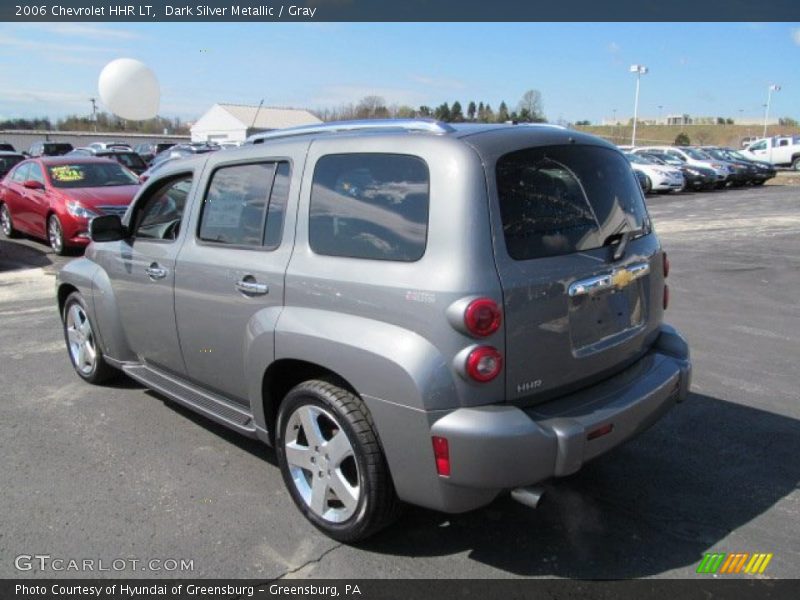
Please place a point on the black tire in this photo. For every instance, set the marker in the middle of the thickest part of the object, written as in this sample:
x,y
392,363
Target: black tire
x,y
377,504
648,184
7,223
759,181
796,164
55,235
100,370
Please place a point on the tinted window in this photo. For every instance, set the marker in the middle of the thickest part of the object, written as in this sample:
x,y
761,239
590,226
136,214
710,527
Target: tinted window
x,y
371,206
236,204
564,199
95,174
129,159
7,163
759,146
160,216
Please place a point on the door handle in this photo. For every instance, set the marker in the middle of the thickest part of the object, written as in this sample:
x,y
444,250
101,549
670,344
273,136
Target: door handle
x,y
155,272
249,287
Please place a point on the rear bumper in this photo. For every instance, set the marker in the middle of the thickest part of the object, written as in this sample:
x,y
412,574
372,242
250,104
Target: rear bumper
x,y
497,447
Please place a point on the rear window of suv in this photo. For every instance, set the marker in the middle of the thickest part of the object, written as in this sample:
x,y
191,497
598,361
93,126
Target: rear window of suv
x,y
558,200
372,206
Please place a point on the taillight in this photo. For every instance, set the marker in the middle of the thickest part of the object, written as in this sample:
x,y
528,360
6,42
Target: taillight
x,y
484,363
482,317
441,453
666,296
666,264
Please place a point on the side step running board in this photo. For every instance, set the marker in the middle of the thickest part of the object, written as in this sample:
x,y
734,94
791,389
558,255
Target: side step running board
x,y
198,400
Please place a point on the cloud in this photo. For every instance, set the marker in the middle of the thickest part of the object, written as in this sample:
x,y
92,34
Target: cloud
x,y
796,36
85,30
614,48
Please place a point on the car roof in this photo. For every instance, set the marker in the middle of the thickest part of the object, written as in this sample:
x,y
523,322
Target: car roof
x,y
10,153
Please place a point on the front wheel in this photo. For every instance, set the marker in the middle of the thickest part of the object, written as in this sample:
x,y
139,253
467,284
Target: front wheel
x,y
82,343
332,462
55,235
648,184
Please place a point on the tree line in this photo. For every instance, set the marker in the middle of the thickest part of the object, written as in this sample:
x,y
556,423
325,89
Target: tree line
x,y
104,122
529,109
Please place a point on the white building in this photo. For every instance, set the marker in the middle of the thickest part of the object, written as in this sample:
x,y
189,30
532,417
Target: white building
x,y
234,122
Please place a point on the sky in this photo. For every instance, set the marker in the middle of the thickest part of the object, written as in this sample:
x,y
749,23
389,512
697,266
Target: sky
x,y
581,69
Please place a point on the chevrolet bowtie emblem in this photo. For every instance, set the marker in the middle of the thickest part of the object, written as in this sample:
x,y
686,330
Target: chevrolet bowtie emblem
x,y
622,278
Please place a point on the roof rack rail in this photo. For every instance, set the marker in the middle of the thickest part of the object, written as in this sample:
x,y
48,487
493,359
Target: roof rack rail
x,y
426,125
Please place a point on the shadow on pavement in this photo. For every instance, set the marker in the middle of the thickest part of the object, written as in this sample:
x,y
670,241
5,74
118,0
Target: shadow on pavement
x,y
15,256
653,505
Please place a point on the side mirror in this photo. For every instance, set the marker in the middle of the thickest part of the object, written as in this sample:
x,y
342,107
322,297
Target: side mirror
x,y
107,228
32,184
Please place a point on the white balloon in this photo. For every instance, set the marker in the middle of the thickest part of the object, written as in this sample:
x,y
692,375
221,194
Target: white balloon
x,y
130,89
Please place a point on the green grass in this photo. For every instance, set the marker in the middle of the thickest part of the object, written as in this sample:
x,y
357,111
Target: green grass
x,y
716,135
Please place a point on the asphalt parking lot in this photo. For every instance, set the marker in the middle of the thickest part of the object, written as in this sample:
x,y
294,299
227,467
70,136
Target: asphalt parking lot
x,y
117,472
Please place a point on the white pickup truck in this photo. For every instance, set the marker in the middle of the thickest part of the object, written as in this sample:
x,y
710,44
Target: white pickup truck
x,y
781,150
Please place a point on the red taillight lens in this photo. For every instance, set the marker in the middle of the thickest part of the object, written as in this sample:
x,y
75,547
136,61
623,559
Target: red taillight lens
x,y
442,454
484,364
483,317
666,265
666,296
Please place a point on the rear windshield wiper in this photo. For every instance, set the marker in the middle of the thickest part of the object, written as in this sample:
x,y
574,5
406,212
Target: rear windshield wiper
x,y
619,242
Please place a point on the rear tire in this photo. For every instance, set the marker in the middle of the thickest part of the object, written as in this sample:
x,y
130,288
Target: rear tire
x,y
332,462
6,223
796,164
82,344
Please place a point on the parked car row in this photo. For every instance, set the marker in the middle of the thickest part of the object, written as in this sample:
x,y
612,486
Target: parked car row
x,y
664,169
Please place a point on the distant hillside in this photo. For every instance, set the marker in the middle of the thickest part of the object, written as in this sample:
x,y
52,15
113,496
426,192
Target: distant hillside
x,y
717,135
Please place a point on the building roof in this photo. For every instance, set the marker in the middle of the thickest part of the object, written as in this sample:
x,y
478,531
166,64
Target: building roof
x,y
269,118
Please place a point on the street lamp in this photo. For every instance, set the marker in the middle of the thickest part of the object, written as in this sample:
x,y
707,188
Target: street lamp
x,y
772,88
639,70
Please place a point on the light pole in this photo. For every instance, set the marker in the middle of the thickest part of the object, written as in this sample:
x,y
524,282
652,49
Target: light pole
x,y
639,70
660,106
94,111
770,89
614,110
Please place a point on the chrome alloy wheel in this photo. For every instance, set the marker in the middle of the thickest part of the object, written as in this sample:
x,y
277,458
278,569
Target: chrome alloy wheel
x,y
81,339
322,463
54,235
5,221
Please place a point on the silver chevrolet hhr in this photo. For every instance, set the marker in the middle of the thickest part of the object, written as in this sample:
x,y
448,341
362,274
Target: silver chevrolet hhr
x,y
408,311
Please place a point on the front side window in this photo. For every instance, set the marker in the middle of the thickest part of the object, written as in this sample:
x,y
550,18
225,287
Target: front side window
x,y
372,206
36,173
159,218
563,199
759,146
235,205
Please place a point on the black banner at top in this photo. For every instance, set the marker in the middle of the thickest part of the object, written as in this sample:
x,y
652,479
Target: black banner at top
x,y
399,10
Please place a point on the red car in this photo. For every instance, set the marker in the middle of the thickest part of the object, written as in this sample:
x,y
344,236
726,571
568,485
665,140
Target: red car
x,y
53,198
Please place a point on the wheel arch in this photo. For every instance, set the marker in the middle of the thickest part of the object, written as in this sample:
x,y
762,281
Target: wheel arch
x,y
284,374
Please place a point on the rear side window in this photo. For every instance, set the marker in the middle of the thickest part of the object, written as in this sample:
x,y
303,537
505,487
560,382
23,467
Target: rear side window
x,y
372,206
245,205
562,199
20,173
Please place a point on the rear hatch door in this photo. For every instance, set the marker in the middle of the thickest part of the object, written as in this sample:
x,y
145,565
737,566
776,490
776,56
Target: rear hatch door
x,y
580,270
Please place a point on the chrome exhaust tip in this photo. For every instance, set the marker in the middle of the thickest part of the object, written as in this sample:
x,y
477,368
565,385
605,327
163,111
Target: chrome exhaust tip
x,y
530,495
